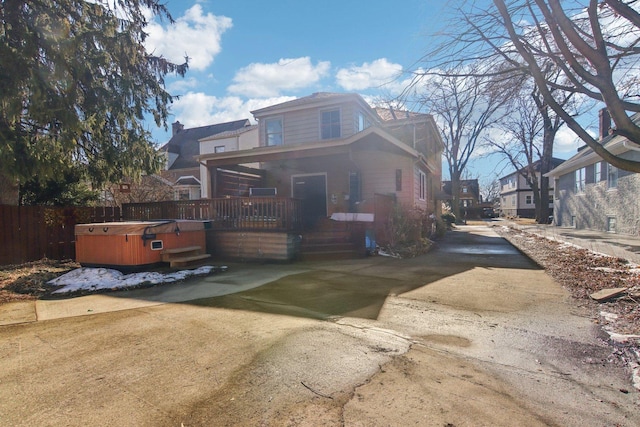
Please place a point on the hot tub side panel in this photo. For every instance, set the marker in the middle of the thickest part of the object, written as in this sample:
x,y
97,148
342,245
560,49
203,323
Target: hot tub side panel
x,y
131,250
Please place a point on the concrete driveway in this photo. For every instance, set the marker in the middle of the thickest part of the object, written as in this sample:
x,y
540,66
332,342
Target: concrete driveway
x,y
472,333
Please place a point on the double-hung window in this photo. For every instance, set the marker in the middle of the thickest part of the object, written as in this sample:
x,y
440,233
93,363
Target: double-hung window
x,y
422,182
612,176
597,172
330,124
273,130
580,180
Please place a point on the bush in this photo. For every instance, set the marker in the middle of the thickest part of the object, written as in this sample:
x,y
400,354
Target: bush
x,y
449,218
409,231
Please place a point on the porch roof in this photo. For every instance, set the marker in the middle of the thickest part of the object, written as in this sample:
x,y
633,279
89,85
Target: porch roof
x,y
372,137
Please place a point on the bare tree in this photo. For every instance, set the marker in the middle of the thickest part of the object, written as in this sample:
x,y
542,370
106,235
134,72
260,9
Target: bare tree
x,y
490,190
466,104
593,49
530,130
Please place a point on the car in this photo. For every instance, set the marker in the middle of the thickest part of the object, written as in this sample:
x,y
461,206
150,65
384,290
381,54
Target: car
x,y
488,213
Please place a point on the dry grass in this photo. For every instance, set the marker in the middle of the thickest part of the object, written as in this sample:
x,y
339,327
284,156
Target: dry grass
x,y
28,281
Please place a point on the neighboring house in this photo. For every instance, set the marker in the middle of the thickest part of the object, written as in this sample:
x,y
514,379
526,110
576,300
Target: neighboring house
x,y
469,193
336,154
183,168
592,194
243,138
516,195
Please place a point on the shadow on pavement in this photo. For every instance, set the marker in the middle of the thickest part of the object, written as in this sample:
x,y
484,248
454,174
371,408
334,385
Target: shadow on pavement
x,y
359,288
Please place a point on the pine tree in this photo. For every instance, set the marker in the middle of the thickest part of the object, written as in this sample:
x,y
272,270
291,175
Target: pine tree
x,y
76,85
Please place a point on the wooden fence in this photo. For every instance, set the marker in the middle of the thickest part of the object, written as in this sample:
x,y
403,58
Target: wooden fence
x,y
30,233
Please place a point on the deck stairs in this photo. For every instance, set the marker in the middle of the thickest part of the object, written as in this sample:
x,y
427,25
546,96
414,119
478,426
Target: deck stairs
x,y
331,240
183,257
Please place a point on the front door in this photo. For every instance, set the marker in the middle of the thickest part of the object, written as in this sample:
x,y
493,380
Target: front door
x,y
312,190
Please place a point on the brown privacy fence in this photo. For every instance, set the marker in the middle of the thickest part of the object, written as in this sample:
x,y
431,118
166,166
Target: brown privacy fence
x,y
30,233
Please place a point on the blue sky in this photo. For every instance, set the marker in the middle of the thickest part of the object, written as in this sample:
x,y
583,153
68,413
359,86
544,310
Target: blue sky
x,y
246,55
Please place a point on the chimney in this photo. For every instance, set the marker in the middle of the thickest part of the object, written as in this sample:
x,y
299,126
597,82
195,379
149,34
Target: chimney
x,y
177,127
605,123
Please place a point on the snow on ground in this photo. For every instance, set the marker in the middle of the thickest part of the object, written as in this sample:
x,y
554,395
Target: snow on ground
x,y
92,279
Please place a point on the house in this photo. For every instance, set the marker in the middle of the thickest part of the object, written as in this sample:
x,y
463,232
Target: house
x,y
183,168
469,193
336,153
516,195
592,194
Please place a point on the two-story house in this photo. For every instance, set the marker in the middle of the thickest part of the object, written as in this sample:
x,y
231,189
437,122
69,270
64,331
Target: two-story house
x,y
336,154
592,194
183,169
469,195
516,195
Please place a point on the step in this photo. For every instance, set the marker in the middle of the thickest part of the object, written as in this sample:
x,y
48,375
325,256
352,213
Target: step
x,y
186,260
182,250
169,254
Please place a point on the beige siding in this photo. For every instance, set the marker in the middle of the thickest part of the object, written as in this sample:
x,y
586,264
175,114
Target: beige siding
x,y
378,175
303,126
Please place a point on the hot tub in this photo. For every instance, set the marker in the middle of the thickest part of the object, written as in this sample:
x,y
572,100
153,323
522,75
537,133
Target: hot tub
x,y
135,244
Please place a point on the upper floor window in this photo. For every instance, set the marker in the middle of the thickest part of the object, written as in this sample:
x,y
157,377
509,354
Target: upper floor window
x,y
330,124
361,122
219,149
422,182
597,172
273,128
465,190
529,199
580,180
612,176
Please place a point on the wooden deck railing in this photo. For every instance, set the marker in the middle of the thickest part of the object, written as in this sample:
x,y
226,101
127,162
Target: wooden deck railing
x,y
234,213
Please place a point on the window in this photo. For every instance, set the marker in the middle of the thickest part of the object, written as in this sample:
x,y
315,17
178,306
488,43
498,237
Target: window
x,y
398,179
574,222
183,194
597,172
361,122
580,180
422,181
330,124
529,200
612,176
465,190
273,129
611,224
219,149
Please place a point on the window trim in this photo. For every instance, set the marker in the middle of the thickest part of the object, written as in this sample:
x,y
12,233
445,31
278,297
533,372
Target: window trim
x,y
422,185
267,134
331,123
580,179
612,184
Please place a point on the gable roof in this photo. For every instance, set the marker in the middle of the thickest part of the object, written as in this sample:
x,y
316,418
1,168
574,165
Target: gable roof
x,y
616,144
319,148
313,100
185,143
229,133
471,184
555,162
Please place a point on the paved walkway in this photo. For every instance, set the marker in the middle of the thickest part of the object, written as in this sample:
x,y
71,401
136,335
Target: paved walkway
x,y
612,244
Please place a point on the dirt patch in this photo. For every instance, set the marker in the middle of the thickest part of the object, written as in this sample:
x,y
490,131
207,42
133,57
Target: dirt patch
x,y
29,281
583,273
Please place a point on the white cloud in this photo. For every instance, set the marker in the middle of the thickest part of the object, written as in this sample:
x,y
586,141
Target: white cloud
x,y
199,109
270,80
369,75
566,142
195,34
